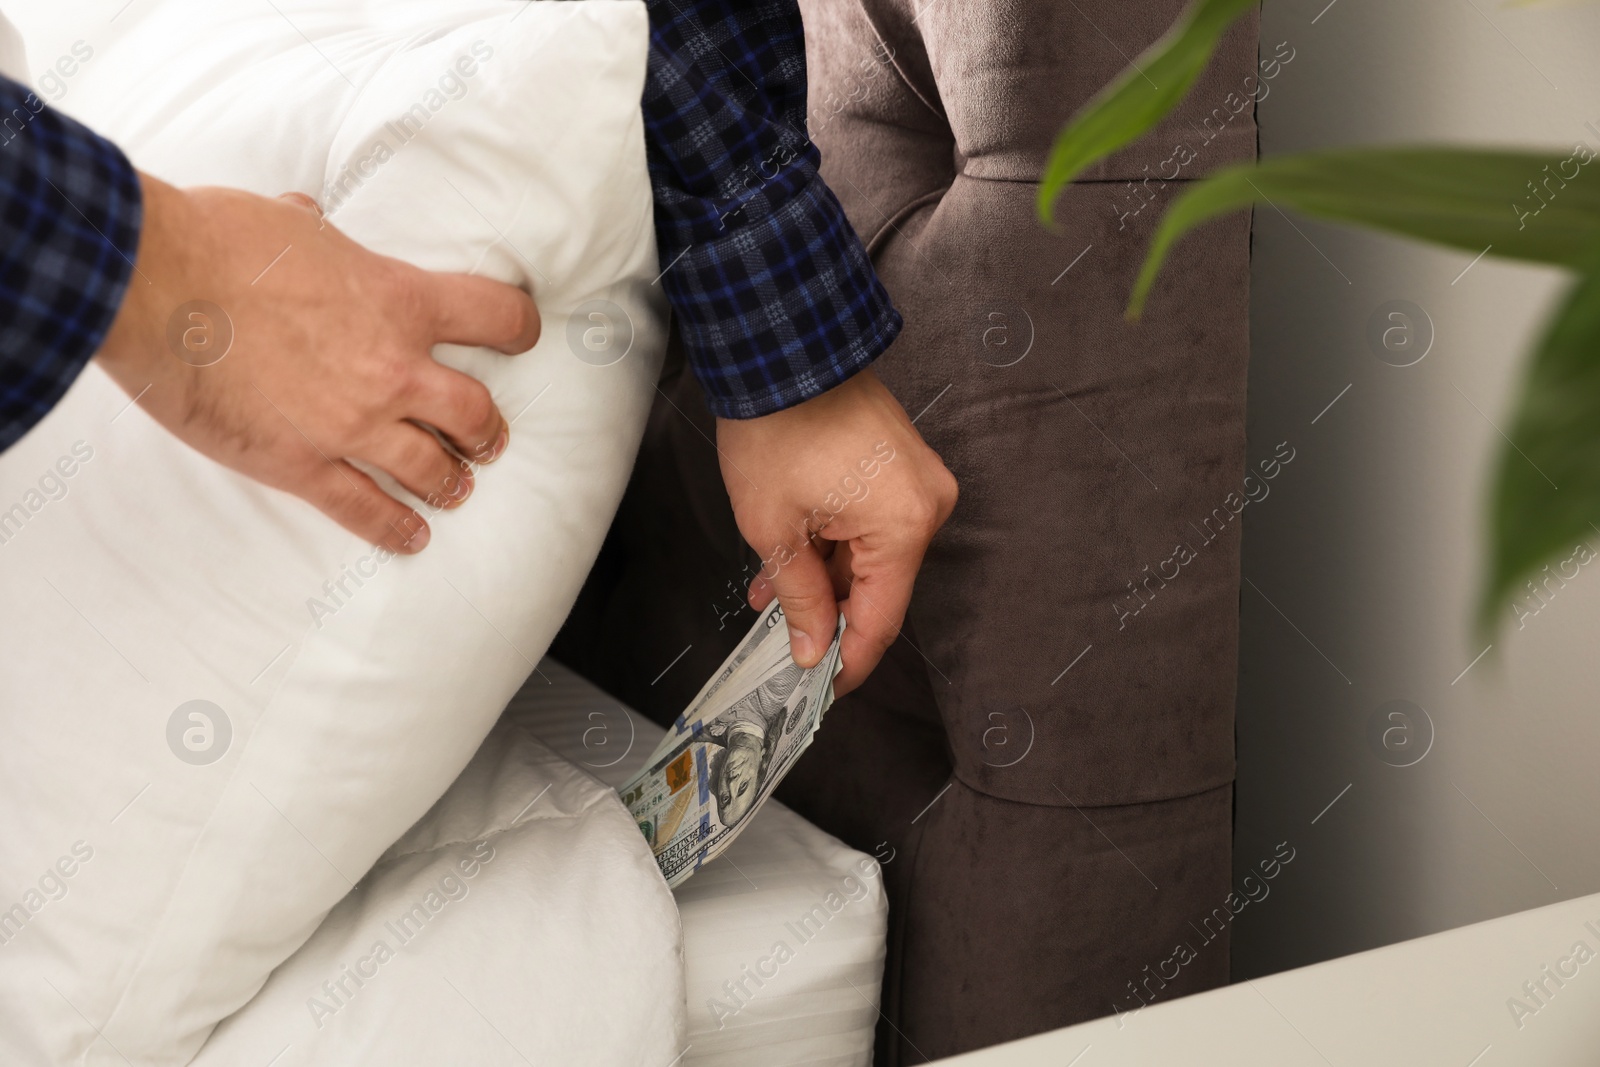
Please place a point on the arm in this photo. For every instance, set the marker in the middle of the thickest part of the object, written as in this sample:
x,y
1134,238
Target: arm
x,y
772,292
781,314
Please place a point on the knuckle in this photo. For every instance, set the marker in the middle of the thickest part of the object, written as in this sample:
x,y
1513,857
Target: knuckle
x,y
399,376
345,502
362,505
346,423
318,487
929,509
477,409
422,458
803,602
409,296
402,306
949,492
923,514
878,643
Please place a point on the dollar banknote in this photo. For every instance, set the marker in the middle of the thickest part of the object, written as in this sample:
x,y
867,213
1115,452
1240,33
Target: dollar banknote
x,y
730,748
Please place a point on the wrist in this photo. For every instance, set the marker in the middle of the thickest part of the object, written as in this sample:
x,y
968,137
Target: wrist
x,y
829,411
135,346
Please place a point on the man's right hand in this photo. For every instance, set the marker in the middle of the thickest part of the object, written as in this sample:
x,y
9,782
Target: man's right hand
x,y
330,357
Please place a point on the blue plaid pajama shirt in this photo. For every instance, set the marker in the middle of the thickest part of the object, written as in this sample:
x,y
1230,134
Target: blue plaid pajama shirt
x,y
772,293
69,222
774,297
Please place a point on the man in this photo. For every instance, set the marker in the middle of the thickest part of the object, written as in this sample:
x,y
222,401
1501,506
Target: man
x,y
778,308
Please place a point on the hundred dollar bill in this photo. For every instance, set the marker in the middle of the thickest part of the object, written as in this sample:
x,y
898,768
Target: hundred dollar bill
x,y
770,620
729,750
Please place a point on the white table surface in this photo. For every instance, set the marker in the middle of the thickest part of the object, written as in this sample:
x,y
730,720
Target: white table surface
x,y
1440,1000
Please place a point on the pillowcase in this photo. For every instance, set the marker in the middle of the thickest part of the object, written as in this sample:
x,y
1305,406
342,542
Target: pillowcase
x,y
218,708
515,923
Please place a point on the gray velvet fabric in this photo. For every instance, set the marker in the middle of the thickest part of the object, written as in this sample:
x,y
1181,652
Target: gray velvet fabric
x,y
1045,760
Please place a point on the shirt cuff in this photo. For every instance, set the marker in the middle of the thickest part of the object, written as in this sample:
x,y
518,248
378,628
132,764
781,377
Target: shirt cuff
x,y
777,309
71,221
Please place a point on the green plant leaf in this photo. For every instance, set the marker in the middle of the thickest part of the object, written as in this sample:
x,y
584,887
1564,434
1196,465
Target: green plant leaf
x,y
1139,97
1519,205
1545,497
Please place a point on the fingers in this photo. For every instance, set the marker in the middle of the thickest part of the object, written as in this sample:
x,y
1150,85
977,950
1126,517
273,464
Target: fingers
x,y
465,309
416,459
835,555
761,593
841,567
874,613
355,501
805,590
460,407
469,310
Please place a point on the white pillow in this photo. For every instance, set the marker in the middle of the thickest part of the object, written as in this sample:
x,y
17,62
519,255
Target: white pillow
x,y
146,893
515,923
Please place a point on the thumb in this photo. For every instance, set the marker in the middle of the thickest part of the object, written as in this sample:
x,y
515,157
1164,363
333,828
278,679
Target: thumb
x,y
806,592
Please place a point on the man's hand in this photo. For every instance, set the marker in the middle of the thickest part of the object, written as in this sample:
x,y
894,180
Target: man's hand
x,y
840,496
321,354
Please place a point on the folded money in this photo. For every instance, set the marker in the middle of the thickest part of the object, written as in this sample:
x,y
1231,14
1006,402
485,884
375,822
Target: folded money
x,y
729,750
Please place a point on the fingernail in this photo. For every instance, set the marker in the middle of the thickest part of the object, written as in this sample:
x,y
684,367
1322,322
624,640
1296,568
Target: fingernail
x,y
454,493
419,540
500,444
801,647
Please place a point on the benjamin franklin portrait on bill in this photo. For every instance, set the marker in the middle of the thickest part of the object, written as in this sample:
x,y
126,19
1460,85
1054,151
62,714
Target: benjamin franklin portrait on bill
x,y
747,732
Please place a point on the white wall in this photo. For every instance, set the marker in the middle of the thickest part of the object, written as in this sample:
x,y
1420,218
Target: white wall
x,y
1370,545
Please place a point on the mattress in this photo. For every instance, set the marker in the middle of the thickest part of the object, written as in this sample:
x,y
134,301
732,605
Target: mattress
x,y
784,934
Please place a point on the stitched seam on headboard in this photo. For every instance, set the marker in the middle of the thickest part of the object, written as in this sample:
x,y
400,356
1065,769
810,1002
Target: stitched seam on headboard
x,y
904,213
895,63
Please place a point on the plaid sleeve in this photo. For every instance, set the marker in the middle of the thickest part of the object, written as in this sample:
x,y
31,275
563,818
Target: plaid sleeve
x,y
773,294
70,211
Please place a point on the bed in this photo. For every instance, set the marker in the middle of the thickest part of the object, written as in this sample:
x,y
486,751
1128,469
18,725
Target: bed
x,y
540,946
819,1006
782,949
